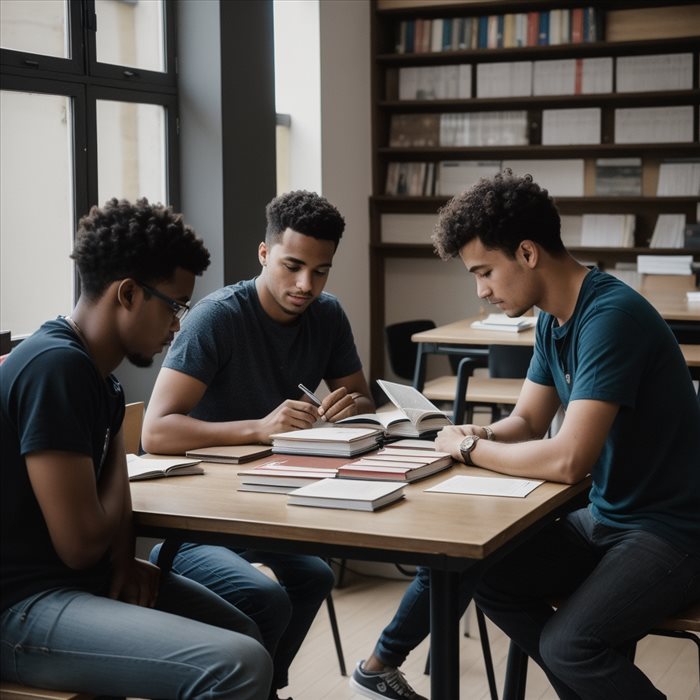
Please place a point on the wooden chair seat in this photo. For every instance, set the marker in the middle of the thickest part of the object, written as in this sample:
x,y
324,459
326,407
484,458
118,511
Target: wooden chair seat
x,y
480,390
687,620
13,691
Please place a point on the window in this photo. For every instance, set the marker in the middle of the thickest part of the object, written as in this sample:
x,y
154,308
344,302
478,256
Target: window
x,y
88,111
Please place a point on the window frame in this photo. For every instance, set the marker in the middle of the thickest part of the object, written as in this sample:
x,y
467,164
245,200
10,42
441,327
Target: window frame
x,y
85,81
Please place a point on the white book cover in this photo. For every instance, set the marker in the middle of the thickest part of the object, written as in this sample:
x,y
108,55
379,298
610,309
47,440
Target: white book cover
x,y
456,176
353,494
673,71
654,124
571,126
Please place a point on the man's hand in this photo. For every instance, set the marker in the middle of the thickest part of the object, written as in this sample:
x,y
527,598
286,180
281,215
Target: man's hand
x,y
337,405
136,583
450,437
290,415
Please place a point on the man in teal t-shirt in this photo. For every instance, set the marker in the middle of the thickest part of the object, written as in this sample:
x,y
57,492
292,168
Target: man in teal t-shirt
x,y
632,422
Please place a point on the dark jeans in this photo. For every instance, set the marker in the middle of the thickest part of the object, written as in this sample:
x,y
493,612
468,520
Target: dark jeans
x,y
283,610
616,584
411,622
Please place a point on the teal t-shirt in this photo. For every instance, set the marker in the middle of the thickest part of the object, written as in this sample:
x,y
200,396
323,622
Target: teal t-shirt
x,y
617,348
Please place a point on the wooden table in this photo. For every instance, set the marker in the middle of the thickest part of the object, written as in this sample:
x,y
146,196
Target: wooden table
x,y
447,533
673,305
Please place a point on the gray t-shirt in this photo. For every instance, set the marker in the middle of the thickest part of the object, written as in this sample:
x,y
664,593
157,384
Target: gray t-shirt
x,y
251,363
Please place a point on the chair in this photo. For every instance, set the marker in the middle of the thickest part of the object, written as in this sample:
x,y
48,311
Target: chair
x,y
684,624
133,421
14,691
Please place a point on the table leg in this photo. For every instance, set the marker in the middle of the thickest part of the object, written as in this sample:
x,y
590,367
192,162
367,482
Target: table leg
x,y
444,635
419,372
516,673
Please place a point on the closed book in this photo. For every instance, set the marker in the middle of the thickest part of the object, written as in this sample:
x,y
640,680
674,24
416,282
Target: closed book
x,y
501,322
287,473
157,467
230,454
347,494
326,441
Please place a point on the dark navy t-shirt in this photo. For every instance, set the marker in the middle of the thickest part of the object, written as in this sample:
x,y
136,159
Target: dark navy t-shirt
x,y
617,348
251,363
52,397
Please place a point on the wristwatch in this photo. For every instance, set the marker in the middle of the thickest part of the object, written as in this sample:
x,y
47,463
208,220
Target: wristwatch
x,y
466,446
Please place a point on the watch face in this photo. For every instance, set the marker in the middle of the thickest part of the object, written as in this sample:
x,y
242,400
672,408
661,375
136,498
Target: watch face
x,y
468,443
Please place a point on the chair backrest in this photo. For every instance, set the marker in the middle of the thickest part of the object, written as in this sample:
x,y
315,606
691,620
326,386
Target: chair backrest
x,y
133,420
509,361
401,349
5,342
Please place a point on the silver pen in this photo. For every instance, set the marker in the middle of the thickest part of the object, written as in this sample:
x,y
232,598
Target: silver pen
x,y
314,399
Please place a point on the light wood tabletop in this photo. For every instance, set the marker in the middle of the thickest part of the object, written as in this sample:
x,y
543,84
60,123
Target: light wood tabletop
x,y
673,305
461,333
446,532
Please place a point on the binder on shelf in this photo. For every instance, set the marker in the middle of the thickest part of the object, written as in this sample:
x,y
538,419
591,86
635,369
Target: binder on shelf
x,y
669,231
654,124
618,177
571,126
679,179
671,71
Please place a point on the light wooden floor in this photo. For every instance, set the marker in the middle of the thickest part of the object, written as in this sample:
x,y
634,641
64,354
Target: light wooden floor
x,y
365,604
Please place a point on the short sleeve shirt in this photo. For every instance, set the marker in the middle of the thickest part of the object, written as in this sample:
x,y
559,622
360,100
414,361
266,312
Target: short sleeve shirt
x,y
52,397
251,363
617,348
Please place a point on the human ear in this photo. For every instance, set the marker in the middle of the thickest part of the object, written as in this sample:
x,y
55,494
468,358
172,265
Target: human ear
x,y
125,293
262,253
527,250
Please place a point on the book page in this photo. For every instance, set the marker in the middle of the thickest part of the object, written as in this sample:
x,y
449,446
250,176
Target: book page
x,y
487,486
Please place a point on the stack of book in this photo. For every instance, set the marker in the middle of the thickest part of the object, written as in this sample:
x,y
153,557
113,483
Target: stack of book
x,y
608,230
327,441
665,264
501,322
435,82
396,464
282,475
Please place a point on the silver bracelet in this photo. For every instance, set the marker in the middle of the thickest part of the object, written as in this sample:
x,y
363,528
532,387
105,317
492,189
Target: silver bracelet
x,y
489,432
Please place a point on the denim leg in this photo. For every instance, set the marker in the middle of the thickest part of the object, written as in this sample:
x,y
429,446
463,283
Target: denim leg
x,y
617,583
307,581
283,610
411,622
73,640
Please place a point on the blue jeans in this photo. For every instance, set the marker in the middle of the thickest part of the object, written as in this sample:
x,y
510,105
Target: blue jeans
x,y
283,610
411,622
616,584
193,645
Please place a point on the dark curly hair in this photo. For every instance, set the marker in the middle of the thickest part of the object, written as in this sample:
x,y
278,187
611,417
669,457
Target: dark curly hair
x,y
146,242
501,212
304,212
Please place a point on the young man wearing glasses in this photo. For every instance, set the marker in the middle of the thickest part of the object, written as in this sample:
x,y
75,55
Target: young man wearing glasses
x,y
232,377
79,612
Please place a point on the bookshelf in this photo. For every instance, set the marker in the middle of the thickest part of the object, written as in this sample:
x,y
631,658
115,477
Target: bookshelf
x,y
617,31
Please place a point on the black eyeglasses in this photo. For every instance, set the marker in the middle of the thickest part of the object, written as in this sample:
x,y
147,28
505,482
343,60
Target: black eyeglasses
x,y
178,308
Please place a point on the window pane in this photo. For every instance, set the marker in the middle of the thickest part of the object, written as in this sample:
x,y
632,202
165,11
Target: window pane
x,y
35,26
131,151
131,33
36,209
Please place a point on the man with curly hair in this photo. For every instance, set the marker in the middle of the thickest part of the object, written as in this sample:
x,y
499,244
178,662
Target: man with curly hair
x,y
79,612
232,376
629,559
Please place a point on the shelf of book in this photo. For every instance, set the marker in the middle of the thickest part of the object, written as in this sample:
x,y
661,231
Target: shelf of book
x,y
449,75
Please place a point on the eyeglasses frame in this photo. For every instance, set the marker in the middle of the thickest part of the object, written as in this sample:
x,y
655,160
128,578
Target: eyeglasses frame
x,y
179,308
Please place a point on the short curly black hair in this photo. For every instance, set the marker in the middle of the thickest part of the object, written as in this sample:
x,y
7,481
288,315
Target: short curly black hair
x,y
146,242
304,212
501,212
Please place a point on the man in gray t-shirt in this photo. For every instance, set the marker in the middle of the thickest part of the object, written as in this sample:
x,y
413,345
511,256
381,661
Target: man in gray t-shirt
x,y
232,377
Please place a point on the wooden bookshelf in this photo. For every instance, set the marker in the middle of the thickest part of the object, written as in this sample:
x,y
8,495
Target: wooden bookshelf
x,y
625,28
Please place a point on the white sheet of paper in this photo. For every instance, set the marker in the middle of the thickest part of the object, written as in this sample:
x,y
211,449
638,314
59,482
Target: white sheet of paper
x,y
487,486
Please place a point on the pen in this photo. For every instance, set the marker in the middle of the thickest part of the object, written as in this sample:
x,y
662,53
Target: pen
x,y
315,400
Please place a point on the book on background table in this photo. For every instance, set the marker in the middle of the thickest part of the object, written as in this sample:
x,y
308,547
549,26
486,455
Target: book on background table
x,y
348,494
155,467
230,454
328,441
396,464
501,322
284,474
487,486
414,416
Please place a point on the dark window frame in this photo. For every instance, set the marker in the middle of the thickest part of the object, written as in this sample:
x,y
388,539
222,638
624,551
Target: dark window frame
x,y
85,81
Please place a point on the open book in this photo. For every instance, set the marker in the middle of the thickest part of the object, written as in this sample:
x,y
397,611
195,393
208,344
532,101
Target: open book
x,y
154,467
347,494
414,416
501,322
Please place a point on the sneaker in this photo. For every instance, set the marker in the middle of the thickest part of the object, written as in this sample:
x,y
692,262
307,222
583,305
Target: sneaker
x,y
389,683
